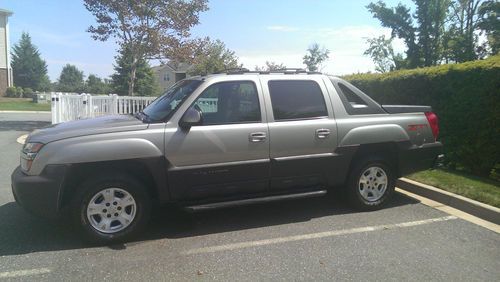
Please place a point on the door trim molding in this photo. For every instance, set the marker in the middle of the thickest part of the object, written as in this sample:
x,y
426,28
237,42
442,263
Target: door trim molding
x,y
235,163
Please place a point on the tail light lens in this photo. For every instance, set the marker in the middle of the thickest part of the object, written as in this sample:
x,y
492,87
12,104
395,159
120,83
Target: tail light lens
x,y
433,122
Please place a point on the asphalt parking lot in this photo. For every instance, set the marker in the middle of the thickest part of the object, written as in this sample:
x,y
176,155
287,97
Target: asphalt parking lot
x,y
311,239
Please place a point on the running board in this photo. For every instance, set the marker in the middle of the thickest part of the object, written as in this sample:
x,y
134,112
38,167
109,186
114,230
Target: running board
x,y
254,201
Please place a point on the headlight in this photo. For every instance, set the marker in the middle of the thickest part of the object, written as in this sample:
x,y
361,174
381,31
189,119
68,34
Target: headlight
x,y
28,154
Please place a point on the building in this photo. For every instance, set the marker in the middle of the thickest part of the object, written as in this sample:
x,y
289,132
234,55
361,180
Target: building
x,y
5,70
168,74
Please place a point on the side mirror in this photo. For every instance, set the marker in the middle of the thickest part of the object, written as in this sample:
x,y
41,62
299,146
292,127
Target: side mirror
x,y
191,117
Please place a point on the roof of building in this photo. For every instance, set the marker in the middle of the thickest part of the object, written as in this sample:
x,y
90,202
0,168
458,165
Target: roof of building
x,y
175,67
5,12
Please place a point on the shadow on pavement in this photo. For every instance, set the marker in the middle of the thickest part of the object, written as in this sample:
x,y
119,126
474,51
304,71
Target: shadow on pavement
x,y
10,125
22,233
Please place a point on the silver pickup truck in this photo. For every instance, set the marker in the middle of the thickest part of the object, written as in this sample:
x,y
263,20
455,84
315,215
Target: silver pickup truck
x,y
222,140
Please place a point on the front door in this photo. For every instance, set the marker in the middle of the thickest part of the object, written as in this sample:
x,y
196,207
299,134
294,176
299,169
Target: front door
x,y
303,132
228,154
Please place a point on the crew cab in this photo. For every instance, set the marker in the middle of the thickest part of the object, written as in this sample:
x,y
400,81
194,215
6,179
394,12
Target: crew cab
x,y
221,140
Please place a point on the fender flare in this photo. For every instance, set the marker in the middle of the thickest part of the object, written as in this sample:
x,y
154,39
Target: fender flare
x,y
68,151
374,134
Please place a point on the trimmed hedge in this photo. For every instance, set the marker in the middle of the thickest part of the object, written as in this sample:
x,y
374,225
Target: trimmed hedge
x,y
466,98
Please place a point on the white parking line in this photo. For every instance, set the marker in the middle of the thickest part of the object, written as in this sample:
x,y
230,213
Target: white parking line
x,y
242,245
25,272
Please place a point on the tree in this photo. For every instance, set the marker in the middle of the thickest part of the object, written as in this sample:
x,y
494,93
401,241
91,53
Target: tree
x,y
213,57
381,51
70,80
148,29
431,16
29,70
271,66
399,20
424,41
489,23
96,85
315,57
144,81
444,30
460,40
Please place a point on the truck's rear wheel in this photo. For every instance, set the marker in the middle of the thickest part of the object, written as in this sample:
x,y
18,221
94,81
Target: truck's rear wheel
x,y
111,209
370,184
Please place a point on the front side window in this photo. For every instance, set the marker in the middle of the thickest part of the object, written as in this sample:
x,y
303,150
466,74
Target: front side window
x,y
166,104
229,102
296,99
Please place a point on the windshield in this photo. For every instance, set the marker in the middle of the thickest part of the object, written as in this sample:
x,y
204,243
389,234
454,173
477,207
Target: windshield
x,y
166,104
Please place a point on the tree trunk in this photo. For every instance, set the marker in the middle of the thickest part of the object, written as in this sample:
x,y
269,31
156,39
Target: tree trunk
x,y
131,81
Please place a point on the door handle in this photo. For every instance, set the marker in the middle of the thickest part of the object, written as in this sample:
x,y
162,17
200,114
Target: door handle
x,y
257,136
322,133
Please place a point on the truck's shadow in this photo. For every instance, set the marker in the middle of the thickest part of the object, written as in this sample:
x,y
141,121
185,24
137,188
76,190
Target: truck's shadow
x,y
22,233
10,125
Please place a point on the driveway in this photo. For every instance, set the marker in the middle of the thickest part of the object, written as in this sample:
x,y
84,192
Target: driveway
x,y
310,239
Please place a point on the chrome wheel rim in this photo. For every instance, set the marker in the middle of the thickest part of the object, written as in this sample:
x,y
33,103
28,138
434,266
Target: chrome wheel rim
x,y
373,184
111,210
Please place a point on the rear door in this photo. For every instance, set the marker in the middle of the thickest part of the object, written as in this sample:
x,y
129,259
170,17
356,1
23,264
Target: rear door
x,y
302,129
228,155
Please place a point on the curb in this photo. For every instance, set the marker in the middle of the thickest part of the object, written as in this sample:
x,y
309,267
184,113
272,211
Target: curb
x,y
26,112
483,211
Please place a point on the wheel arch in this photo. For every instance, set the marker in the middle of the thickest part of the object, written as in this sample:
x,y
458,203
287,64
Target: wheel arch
x,y
151,172
387,151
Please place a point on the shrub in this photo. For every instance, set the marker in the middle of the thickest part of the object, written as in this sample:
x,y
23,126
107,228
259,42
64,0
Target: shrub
x,y
11,92
28,93
19,92
466,98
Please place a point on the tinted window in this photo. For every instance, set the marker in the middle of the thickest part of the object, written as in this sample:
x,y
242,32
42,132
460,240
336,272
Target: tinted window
x,y
296,99
229,102
352,97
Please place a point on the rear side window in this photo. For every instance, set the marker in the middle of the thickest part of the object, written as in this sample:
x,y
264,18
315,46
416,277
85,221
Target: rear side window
x,y
352,98
296,99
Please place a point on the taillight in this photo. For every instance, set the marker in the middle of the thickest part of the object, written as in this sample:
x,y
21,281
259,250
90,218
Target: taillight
x,y
433,122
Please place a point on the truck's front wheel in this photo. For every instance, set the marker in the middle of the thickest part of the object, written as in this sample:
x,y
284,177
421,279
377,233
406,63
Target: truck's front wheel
x,y
111,209
371,183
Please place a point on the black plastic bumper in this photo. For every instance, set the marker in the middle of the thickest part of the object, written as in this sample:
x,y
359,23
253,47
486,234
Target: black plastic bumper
x,y
417,158
39,194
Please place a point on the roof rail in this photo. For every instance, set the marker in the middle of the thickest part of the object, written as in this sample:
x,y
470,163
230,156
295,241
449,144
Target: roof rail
x,y
291,70
284,71
234,71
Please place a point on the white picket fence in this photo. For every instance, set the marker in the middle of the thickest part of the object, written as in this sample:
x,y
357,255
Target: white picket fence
x,y
66,107
69,106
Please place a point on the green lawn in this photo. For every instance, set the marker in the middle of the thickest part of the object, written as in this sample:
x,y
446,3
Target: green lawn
x,y
473,187
21,104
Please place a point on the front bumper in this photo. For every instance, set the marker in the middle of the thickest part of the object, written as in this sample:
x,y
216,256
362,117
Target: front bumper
x,y
40,194
417,158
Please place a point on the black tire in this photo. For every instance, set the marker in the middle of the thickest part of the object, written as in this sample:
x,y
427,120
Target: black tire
x,y
353,184
90,188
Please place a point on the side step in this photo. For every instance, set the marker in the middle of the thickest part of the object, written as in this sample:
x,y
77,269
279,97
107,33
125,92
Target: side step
x,y
254,201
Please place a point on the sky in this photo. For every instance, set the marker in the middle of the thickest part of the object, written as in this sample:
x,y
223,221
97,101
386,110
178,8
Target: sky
x,y
257,30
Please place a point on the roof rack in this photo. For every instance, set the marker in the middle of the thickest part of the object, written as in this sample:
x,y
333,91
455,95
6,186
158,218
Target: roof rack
x,y
290,70
284,71
234,71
